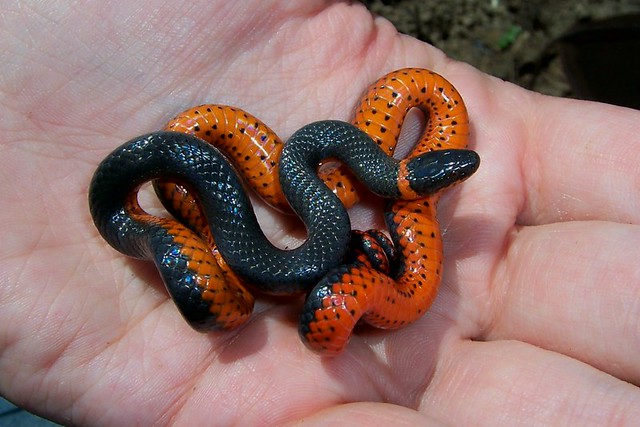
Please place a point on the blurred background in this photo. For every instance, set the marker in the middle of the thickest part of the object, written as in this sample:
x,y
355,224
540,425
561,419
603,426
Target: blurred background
x,y
11,416
586,49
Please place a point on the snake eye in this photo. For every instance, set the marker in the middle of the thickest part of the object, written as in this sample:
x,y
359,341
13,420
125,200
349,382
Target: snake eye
x,y
435,170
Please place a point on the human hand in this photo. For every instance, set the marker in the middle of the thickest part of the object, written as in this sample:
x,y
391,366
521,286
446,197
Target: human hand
x,y
537,316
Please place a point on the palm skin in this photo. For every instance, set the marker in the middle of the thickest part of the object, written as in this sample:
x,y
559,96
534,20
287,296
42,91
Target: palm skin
x,y
537,317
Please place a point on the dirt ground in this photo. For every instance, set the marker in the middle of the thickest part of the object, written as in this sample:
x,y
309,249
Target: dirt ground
x,y
511,39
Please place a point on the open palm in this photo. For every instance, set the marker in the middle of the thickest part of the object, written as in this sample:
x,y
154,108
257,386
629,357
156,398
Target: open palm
x,y
537,318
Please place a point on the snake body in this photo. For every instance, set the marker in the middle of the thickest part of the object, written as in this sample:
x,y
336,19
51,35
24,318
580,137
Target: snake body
x,y
184,258
397,291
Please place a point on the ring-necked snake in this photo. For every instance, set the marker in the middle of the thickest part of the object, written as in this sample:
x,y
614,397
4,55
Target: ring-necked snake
x,y
186,264
391,293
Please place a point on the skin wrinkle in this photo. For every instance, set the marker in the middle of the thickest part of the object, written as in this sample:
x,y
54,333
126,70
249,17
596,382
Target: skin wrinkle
x,y
521,251
398,393
172,412
632,323
442,377
377,384
30,34
588,151
490,314
151,362
531,169
47,59
244,398
362,42
543,372
627,311
576,291
106,377
157,307
566,398
47,358
368,390
499,285
250,408
323,28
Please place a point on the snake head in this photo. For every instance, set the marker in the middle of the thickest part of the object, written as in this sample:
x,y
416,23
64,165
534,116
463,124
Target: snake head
x,y
436,170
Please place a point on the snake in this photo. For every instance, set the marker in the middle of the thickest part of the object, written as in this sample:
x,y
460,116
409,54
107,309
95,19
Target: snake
x,y
187,264
390,284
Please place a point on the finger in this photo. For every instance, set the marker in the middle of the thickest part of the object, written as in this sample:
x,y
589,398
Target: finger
x,y
511,383
580,161
366,413
573,288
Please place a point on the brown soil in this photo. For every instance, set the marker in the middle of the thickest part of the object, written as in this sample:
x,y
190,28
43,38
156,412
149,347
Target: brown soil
x,y
511,39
